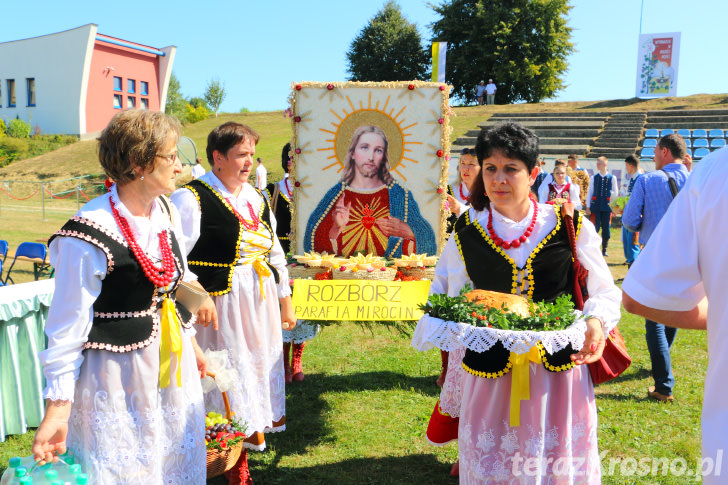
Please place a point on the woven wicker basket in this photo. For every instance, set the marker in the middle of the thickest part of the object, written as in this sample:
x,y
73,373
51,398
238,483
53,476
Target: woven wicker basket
x,y
302,272
218,462
378,275
421,273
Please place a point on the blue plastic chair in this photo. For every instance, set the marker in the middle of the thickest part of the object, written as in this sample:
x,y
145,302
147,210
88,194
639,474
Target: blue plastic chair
x,y
652,133
3,249
1,273
687,142
701,143
649,143
700,133
647,153
684,132
667,131
34,251
717,143
715,133
700,153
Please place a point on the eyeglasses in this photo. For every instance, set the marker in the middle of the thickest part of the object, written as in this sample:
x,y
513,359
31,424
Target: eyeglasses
x,y
170,159
468,151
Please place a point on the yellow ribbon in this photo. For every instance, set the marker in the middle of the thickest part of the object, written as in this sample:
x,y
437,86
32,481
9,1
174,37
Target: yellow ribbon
x,y
170,343
263,271
520,388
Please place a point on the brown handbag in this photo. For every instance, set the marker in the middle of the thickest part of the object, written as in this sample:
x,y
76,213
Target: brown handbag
x,y
615,358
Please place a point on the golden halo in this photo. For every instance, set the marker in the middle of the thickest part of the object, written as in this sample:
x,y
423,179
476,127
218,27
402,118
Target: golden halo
x,y
366,117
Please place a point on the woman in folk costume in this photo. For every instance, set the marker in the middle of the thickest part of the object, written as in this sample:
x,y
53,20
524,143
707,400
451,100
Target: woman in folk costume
x,y
230,238
280,195
512,244
559,190
122,366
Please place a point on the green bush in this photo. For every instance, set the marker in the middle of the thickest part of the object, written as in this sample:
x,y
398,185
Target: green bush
x,y
18,129
12,149
2,128
197,114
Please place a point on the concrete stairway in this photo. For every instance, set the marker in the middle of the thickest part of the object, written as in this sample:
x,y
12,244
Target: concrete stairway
x,y
690,119
620,137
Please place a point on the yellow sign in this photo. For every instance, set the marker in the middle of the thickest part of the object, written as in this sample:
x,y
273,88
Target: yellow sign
x,y
359,300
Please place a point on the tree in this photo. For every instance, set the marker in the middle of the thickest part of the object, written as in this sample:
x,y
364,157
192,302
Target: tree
x,y
521,44
214,95
176,105
388,49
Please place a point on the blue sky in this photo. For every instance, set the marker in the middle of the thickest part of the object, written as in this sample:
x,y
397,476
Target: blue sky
x,y
258,48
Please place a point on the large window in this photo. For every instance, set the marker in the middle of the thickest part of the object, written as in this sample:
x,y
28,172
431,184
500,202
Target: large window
x,y
11,93
30,82
130,102
117,83
117,101
144,88
130,86
145,103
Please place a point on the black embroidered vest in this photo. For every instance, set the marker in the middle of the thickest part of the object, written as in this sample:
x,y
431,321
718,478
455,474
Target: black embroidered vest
x,y
550,275
125,312
282,210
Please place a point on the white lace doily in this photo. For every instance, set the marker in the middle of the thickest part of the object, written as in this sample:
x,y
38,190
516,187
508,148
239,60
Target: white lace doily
x,y
433,332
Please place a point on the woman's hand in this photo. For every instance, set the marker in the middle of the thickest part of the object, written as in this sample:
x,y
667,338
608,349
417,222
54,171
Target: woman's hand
x,y
207,313
340,217
453,204
50,438
393,227
200,357
593,343
288,315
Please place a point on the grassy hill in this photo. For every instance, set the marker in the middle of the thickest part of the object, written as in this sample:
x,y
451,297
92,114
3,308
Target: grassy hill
x,y
275,131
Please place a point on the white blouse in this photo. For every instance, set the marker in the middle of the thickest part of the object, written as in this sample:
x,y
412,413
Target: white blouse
x,y
604,297
80,268
189,210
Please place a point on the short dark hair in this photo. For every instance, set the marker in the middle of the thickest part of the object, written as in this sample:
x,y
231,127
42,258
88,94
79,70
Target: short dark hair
x,y
285,157
632,160
226,136
559,162
572,156
515,141
675,143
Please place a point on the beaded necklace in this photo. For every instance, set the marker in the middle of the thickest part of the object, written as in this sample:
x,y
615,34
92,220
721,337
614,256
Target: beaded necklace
x,y
249,226
288,188
160,277
463,196
515,242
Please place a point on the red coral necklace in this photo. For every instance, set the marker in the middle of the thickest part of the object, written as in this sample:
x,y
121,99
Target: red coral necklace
x,y
462,196
160,277
515,242
249,226
288,188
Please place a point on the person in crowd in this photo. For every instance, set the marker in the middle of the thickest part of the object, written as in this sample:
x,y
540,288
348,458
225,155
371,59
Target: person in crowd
x,y
230,239
280,196
122,367
651,196
198,170
490,90
578,175
480,93
559,188
541,175
602,190
630,240
368,210
458,194
508,242
573,161
548,178
261,176
689,291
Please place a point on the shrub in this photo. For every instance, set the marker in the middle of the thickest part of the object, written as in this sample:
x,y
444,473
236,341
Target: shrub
x,y
2,128
18,129
12,149
197,114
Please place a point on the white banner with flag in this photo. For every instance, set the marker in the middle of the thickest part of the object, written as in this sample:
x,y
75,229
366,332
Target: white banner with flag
x,y
657,60
439,55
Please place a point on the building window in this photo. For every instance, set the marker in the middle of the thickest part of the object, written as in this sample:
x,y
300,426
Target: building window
x,y
130,102
144,88
117,101
145,103
11,93
117,83
130,86
31,90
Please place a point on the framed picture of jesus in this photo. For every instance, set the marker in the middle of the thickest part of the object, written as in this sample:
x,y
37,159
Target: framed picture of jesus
x,y
368,163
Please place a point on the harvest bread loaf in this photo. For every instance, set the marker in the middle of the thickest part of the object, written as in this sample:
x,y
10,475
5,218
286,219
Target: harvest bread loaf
x,y
515,303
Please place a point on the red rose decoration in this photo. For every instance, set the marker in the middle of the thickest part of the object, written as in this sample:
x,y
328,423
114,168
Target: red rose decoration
x,y
329,87
298,151
298,87
440,190
442,88
440,153
297,119
441,120
411,87
297,183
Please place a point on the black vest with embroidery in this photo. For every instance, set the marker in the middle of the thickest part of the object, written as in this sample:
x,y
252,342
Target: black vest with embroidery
x,y
282,212
216,252
451,218
551,274
126,311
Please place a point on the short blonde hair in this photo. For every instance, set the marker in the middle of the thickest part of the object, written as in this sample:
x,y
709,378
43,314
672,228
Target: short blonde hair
x,y
133,138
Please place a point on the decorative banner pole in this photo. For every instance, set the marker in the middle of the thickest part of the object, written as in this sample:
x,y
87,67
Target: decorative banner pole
x,y
439,55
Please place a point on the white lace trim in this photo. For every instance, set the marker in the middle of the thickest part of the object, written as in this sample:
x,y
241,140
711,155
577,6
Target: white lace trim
x,y
60,388
434,332
303,331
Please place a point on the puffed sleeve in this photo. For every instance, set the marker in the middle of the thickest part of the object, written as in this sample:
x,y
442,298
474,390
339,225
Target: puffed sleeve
x,y
278,260
189,215
575,195
80,268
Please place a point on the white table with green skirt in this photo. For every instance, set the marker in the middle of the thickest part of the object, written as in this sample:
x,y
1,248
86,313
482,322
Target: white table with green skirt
x,y
23,313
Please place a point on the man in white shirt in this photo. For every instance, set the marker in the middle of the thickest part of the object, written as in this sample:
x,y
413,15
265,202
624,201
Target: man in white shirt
x,y
198,170
490,90
261,175
680,280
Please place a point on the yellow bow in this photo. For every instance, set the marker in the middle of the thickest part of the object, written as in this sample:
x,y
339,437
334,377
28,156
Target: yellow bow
x,y
170,342
520,388
263,271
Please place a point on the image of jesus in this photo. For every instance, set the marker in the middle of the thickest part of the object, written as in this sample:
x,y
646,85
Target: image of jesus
x,y
368,211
